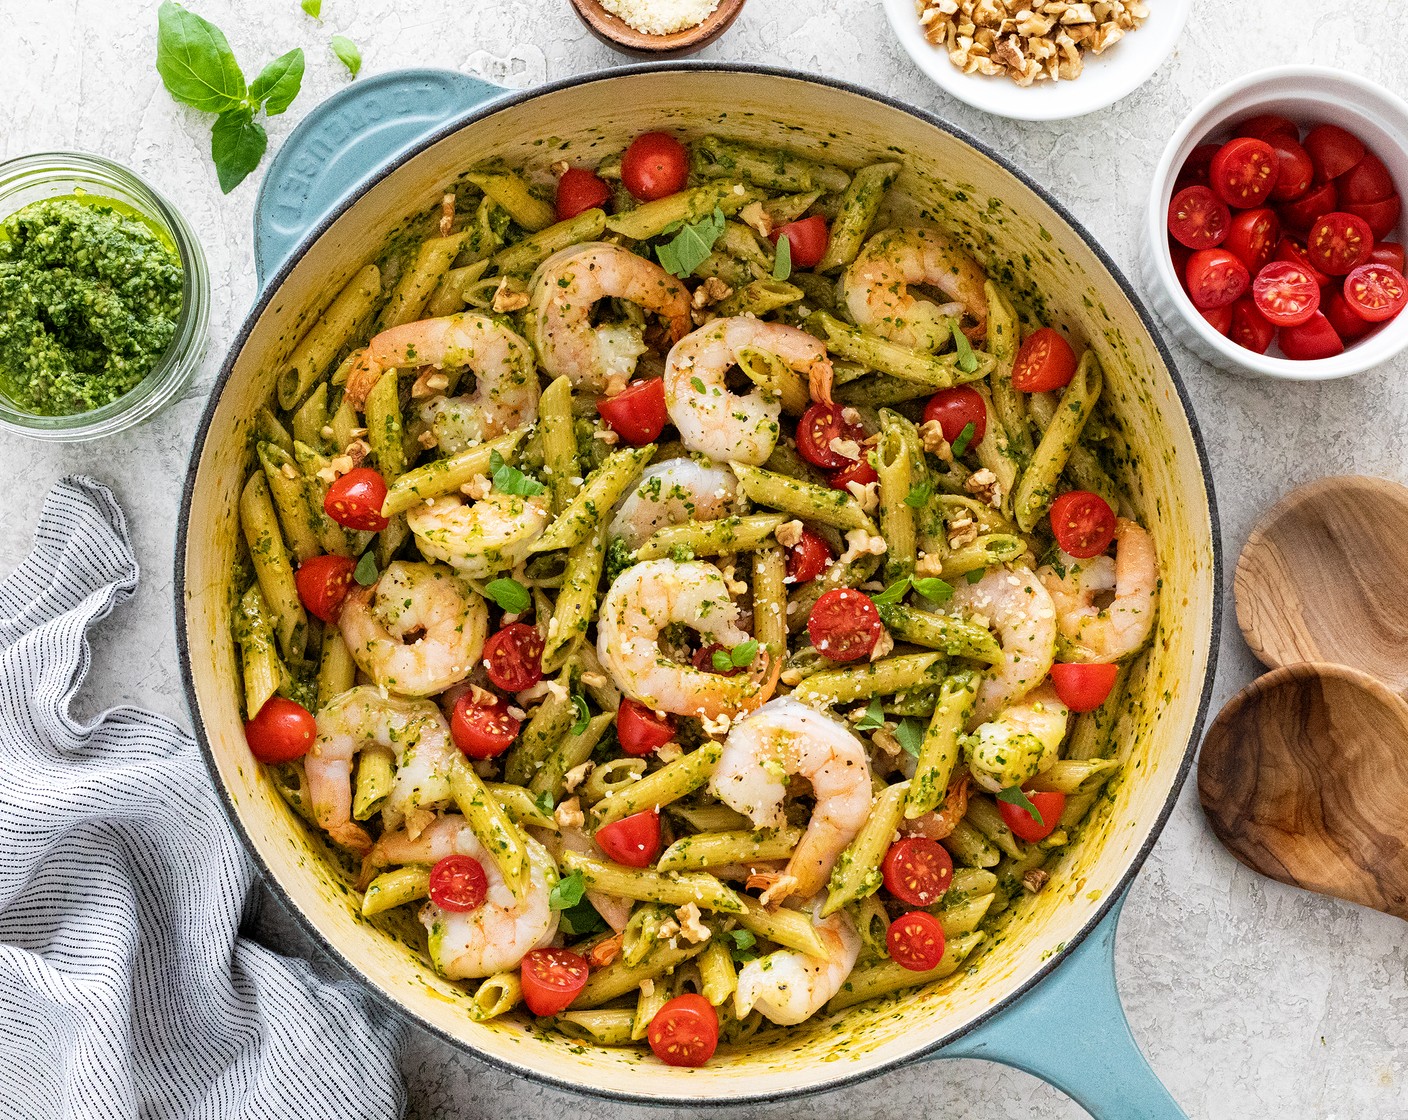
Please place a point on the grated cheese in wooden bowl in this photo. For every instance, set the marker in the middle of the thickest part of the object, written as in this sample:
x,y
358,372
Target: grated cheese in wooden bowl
x,y
661,17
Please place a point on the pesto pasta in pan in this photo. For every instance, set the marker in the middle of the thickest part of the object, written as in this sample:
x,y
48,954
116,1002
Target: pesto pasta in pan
x,y
691,593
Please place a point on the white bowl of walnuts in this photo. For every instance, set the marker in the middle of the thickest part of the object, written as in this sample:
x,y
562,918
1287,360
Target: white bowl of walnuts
x,y
1038,60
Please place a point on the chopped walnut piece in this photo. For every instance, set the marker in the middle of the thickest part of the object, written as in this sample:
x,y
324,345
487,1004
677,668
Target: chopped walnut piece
x,y
447,214
962,530
477,487
932,434
1034,880
757,219
712,291
428,383
569,814
693,929
507,298
789,534
983,484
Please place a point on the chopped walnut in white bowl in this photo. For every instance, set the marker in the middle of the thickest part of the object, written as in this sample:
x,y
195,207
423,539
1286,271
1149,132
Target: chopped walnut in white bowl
x,y
1038,59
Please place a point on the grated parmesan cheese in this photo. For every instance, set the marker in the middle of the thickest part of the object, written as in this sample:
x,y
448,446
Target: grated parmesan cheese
x,y
661,17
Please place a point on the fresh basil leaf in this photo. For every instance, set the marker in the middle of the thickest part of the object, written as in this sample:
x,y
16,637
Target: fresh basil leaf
x,y
279,82
509,594
742,654
976,575
965,437
544,803
744,947
1013,795
347,52
892,594
934,589
689,248
918,494
511,480
580,919
967,360
874,718
567,892
313,7
723,663
365,572
782,263
584,714
237,144
910,735
195,61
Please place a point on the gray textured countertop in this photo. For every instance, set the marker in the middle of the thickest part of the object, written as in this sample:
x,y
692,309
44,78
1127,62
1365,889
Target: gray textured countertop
x,y
1251,999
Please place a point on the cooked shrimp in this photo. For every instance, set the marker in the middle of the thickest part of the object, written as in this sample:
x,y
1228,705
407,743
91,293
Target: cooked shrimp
x,y
1019,743
649,596
940,822
479,538
876,287
1120,628
417,630
1019,610
713,419
495,936
670,493
506,381
788,986
785,737
413,730
568,285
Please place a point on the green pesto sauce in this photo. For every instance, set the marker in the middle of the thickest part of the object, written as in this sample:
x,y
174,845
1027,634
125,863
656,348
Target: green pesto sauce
x,y
89,295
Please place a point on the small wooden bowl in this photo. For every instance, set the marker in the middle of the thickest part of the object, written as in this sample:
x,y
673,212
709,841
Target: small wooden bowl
x,y
623,37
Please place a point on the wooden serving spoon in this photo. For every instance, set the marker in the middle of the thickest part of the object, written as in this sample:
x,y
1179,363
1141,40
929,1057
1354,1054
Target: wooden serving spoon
x,y
623,37
1324,577
1304,776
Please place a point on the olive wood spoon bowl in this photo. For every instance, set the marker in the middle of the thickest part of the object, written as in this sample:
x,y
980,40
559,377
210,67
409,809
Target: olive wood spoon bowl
x,y
1324,577
623,37
1304,776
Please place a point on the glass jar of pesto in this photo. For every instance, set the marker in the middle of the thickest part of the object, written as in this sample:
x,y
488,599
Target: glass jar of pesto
x,y
104,298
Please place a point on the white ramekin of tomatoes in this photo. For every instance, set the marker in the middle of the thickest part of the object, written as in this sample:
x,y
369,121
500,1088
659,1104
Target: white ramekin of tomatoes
x,y
1276,226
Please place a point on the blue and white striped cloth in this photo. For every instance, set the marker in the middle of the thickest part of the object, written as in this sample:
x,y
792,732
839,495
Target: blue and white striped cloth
x,y
125,988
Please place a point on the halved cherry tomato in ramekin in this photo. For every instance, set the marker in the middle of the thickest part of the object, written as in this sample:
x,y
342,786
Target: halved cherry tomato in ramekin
x,y
1375,292
1310,341
1215,278
1333,150
1286,293
1244,171
1253,237
1339,241
1197,218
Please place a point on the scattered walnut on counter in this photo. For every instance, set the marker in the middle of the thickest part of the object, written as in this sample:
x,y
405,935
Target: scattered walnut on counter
x,y
1027,40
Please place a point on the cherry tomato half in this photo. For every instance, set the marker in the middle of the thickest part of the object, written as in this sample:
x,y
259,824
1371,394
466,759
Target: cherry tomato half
x,y
1389,253
1346,323
1197,218
1300,215
1044,362
1253,237
807,239
578,190
1292,251
637,413
482,730
1333,150
1286,293
633,841
551,979
1268,125
1218,318
955,409
513,657
859,470
917,870
640,730
1083,524
1244,171
1049,807
844,625
655,165
1250,329
323,582
1083,688
1381,216
1338,241
1375,292
685,1031
916,941
280,731
354,500
1215,278
1311,340
458,884
819,425
1295,174
808,558
1179,254
1367,181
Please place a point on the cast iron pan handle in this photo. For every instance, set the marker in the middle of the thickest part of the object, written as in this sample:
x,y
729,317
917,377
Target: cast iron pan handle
x,y
1070,1031
347,138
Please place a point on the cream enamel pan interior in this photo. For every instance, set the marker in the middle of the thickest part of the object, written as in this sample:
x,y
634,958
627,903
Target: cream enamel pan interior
x,y
1018,233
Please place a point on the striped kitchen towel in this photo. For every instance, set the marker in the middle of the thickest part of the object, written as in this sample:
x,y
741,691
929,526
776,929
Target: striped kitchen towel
x,y
125,988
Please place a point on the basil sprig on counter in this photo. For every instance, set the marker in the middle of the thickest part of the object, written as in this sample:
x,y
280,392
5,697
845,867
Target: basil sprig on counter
x,y
199,69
